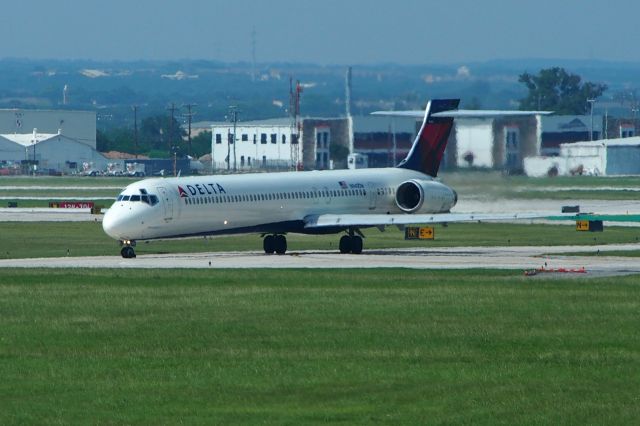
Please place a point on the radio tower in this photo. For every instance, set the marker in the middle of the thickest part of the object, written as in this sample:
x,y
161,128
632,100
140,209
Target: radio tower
x,y
294,112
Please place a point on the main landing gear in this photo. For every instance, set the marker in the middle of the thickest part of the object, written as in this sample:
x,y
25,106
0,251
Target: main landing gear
x,y
351,243
274,243
127,250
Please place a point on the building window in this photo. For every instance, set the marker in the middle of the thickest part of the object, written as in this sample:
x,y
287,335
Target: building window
x,y
263,138
284,138
255,138
230,138
242,160
294,139
245,137
274,138
218,138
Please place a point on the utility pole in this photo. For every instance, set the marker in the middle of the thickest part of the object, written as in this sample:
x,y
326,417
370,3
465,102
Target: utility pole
x,y
189,116
135,129
591,101
294,112
233,116
172,147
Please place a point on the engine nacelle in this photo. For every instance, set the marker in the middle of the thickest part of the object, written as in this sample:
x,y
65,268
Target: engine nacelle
x,y
425,196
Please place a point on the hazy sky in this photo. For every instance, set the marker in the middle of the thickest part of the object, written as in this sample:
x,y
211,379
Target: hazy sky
x,y
325,32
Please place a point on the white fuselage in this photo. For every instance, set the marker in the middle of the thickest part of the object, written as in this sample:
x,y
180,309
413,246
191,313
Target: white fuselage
x,y
261,202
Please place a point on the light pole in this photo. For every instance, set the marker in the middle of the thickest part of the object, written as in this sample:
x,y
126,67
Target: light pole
x,y
233,115
591,101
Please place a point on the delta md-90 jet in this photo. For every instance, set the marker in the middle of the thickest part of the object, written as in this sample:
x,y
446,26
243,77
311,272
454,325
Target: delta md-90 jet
x,y
314,202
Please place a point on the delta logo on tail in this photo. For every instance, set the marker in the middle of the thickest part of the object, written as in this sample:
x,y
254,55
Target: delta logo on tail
x,y
182,192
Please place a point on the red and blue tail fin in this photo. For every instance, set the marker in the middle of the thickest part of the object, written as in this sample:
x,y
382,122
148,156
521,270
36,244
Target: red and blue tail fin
x,y
428,147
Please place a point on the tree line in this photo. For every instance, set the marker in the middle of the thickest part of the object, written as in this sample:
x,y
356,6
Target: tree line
x,y
551,89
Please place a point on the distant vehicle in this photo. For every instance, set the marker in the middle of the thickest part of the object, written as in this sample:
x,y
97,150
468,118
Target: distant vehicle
x,y
314,202
136,169
357,161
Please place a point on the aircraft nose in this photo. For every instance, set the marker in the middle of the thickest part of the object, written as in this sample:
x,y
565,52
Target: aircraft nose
x,y
110,224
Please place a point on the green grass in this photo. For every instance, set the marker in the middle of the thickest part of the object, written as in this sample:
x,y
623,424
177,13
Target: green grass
x,y
316,346
45,202
55,239
65,181
493,185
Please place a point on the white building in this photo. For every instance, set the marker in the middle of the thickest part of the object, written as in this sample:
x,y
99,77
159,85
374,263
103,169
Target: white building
x,y
272,144
494,142
77,125
601,158
258,144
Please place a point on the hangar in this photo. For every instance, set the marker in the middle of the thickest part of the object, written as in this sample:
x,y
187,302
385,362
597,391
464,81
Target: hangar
x,y
77,125
49,152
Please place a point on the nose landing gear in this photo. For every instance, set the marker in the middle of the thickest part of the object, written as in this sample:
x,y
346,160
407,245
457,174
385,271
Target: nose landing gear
x,y
127,250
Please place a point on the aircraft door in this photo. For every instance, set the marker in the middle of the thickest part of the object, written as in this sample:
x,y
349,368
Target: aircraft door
x,y
167,203
373,195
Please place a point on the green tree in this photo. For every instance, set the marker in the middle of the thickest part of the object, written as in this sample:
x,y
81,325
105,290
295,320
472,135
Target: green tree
x,y
117,139
555,89
201,144
338,152
154,133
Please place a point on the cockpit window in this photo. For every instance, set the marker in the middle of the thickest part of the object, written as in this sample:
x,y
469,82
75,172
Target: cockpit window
x,y
145,198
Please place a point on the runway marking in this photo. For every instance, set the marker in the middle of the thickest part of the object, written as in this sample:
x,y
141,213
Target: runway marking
x,y
506,258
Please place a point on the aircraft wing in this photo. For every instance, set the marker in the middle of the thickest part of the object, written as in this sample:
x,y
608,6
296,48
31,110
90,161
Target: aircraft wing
x,y
339,220
463,113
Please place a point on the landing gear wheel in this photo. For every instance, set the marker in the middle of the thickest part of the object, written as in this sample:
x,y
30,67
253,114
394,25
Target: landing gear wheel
x,y
269,244
345,244
127,252
280,244
356,244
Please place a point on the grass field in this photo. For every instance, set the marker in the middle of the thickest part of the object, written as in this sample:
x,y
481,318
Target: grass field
x,y
56,239
317,346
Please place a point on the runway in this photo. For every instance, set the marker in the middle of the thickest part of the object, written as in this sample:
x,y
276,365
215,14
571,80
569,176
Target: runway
x,y
507,258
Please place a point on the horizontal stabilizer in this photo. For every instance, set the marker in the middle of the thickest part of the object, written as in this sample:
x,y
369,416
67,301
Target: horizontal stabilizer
x,y
463,113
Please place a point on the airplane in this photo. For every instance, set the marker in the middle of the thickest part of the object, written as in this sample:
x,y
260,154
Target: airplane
x,y
311,202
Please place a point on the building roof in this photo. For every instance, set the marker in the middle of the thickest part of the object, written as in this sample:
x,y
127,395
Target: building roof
x,y
284,121
633,141
570,123
29,139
